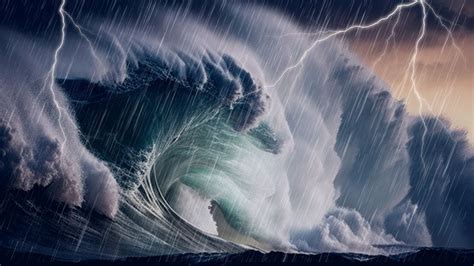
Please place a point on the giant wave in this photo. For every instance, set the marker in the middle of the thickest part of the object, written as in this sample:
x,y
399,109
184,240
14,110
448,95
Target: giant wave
x,y
178,141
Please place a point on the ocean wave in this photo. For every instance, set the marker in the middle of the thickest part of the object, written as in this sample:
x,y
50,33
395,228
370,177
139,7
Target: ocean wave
x,y
162,137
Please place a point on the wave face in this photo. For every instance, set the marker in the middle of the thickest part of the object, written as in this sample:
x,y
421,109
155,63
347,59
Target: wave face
x,y
165,131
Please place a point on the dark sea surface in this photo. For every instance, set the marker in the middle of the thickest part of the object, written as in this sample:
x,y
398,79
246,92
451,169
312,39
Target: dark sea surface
x,y
422,256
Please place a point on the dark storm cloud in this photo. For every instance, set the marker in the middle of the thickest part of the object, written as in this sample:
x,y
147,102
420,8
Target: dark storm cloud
x,y
334,14
36,18
316,14
340,13
461,11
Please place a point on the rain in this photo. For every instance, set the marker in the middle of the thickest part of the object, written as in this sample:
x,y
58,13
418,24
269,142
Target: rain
x,y
196,132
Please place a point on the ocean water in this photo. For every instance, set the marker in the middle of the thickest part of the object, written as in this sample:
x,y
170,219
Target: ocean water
x,y
169,137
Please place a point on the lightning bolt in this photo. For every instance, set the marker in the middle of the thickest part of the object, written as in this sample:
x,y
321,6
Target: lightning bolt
x,y
52,73
387,41
450,36
412,66
425,9
84,36
335,33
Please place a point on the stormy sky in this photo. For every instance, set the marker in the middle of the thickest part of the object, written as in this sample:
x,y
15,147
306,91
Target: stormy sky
x,y
444,70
